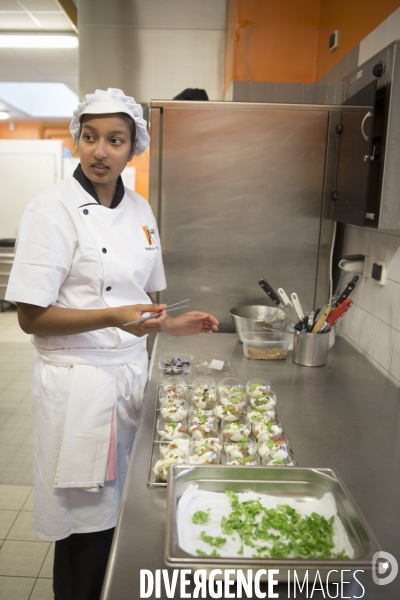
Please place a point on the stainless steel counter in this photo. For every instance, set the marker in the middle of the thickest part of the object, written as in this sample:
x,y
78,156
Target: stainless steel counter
x,y
345,416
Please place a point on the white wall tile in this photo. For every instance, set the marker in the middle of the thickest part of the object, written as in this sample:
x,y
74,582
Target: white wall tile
x,y
377,245
352,323
392,257
383,344
394,26
365,49
389,302
397,326
395,363
371,297
380,37
361,240
342,328
367,333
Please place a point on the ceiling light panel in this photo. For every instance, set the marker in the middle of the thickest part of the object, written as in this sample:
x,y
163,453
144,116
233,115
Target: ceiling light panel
x,y
38,41
33,15
40,100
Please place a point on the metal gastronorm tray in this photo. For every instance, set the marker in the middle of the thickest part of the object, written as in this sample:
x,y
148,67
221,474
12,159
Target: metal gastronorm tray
x,y
296,482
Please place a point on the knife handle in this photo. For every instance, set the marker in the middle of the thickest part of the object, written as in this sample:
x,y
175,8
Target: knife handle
x,y
347,291
270,291
339,312
321,320
297,305
284,296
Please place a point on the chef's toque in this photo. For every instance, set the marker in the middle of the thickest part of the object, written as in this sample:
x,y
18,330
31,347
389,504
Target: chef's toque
x,y
108,102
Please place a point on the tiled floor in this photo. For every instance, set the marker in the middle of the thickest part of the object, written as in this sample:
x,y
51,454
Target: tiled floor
x,y
26,562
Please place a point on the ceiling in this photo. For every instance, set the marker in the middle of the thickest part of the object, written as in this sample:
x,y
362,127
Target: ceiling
x,y
36,65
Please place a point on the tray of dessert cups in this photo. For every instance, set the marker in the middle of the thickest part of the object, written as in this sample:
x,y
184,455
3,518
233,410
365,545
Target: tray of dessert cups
x,y
209,422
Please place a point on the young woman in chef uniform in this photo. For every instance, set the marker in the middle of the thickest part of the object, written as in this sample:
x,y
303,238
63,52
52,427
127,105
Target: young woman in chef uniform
x,y
87,257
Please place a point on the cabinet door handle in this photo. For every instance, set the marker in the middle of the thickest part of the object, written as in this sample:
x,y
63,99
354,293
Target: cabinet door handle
x,y
368,115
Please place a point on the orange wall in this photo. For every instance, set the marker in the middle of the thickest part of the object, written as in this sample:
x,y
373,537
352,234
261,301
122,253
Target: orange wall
x,y
276,40
230,44
354,19
141,164
287,40
32,130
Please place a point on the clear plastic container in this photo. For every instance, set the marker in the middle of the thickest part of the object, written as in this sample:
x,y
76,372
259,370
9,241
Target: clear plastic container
x,y
266,430
260,414
226,384
173,411
272,345
204,452
267,400
201,431
271,447
257,387
171,431
179,446
240,455
280,459
230,412
173,386
231,391
214,442
161,464
176,364
235,432
203,394
213,365
202,415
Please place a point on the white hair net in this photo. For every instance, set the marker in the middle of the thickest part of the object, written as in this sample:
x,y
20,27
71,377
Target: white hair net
x,y
107,102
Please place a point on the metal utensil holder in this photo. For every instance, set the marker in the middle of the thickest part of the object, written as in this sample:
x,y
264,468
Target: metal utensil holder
x,y
310,349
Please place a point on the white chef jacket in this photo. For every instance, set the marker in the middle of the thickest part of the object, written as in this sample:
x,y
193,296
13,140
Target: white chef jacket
x,y
75,253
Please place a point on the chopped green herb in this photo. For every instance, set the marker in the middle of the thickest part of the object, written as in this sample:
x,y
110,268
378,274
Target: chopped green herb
x,y
245,460
213,541
290,533
200,517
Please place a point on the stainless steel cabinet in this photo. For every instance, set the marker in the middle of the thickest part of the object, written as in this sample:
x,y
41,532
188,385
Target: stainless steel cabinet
x,y
239,191
6,261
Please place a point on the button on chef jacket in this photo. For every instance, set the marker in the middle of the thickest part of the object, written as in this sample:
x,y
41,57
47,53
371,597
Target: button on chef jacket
x,y
72,252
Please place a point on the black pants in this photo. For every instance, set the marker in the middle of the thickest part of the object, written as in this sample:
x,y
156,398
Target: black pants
x,y
80,562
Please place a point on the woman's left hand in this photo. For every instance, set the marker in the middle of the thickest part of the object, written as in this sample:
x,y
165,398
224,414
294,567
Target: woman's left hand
x,y
190,323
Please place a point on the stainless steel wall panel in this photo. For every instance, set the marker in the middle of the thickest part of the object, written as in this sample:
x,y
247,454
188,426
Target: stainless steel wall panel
x,y
152,48
155,129
207,14
327,225
241,199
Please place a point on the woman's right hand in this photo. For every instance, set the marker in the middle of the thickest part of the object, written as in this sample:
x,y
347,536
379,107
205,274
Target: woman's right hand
x,y
135,312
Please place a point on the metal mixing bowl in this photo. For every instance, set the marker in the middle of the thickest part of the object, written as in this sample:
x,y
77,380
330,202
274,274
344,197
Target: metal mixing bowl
x,y
258,318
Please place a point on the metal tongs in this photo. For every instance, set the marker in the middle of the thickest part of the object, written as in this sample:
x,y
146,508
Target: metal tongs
x,y
157,315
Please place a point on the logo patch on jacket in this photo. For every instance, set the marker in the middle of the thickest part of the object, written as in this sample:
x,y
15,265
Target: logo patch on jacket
x,y
149,237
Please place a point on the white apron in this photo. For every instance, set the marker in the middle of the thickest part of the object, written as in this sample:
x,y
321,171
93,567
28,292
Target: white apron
x,y
71,440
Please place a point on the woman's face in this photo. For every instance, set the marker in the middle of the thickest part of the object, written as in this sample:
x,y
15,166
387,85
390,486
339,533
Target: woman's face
x,y
105,146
